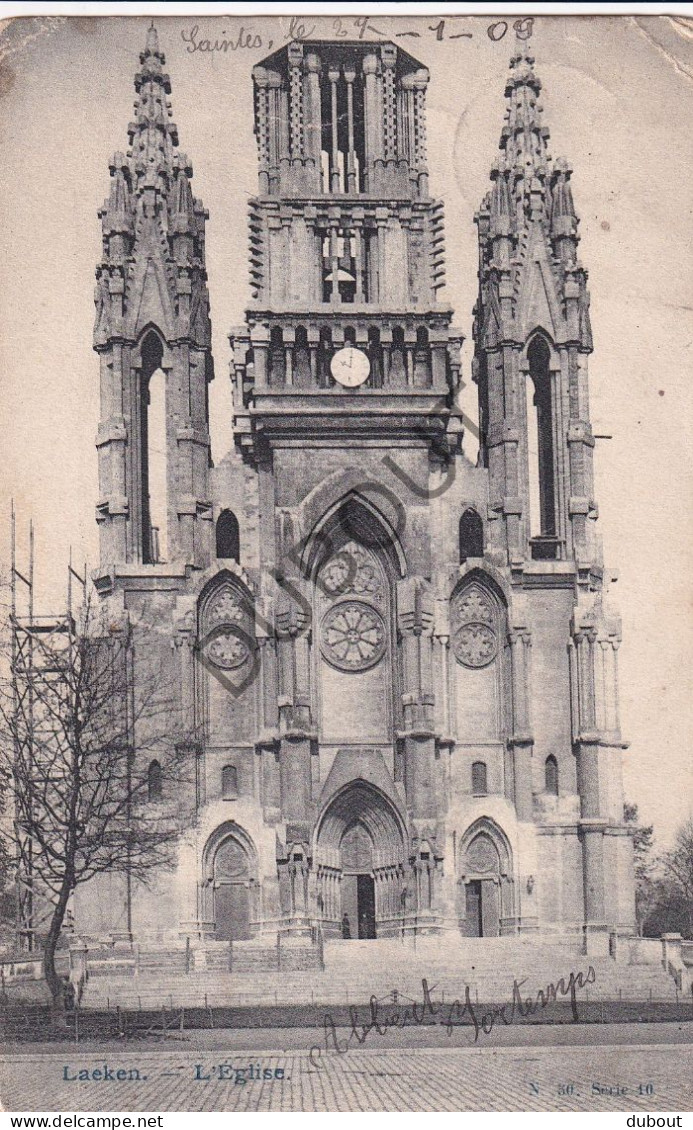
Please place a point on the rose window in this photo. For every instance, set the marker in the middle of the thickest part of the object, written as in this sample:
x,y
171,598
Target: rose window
x,y
227,650
353,636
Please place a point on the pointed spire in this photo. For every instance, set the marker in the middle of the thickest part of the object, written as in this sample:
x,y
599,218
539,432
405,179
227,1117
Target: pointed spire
x,y
524,138
527,185
153,136
152,181
152,44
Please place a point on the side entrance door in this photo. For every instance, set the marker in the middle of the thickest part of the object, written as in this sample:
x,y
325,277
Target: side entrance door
x,y
474,927
232,912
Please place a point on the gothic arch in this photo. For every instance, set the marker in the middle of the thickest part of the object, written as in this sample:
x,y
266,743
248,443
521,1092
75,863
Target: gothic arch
x,y
151,426
230,889
227,650
479,665
361,801
487,826
381,498
539,333
486,574
470,534
228,829
539,365
353,647
230,570
360,858
485,880
147,331
355,517
478,616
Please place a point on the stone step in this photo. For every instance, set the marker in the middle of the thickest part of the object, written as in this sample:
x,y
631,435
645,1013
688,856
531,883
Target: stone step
x,y
612,982
410,972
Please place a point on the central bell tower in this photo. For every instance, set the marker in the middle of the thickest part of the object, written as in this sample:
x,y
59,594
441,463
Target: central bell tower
x,y
345,338
345,377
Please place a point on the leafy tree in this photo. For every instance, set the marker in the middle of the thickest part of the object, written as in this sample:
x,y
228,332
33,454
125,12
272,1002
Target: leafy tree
x,y
677,867
646,886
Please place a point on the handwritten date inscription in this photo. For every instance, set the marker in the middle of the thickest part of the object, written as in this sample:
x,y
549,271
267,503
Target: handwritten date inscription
x,y
247,38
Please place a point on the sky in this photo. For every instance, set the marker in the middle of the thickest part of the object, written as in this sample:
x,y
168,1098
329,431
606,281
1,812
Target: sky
x,y
617,99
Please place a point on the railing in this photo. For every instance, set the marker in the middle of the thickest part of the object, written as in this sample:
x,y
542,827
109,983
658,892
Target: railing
x,y
153,1017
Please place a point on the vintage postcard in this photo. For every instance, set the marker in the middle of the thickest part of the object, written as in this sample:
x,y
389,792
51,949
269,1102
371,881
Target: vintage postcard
x,y
345,675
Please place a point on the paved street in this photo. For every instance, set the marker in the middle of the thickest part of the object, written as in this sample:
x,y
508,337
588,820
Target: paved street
x,y
655,1077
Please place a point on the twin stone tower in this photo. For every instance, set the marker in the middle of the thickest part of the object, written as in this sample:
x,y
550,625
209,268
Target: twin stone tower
x,y
399,669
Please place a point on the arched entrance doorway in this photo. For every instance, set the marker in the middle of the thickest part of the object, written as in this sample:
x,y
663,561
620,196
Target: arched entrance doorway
x,y
358,884
486,883
231,882
360,863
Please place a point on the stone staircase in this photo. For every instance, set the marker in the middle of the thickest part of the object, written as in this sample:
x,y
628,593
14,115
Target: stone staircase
x,y
356,970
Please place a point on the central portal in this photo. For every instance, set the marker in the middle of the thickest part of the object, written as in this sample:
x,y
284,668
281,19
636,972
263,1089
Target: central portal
x,y
360,853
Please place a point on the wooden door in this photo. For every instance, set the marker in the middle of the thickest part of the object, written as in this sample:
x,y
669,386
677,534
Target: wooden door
x,y
473,921
232,912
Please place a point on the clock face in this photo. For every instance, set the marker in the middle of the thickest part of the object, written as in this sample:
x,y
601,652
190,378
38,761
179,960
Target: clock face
x,y
350,367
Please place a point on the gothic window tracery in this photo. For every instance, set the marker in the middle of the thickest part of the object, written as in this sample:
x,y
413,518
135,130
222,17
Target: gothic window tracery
x,y
353,569
227,642
353,634
482,856
474,629
231,862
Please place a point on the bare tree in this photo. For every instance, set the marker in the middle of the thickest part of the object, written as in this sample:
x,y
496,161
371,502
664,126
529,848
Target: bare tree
x,y
80,727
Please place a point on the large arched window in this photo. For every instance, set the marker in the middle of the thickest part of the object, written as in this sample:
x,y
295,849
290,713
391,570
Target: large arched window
x,y
154,781
353,626
551,775
479,778
540,451
229,782
153,460
478,625
228,536
471,536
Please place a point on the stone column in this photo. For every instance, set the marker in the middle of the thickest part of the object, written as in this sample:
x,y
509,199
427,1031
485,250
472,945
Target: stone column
x,y
313,117
415,611
372,104
522,740
592,819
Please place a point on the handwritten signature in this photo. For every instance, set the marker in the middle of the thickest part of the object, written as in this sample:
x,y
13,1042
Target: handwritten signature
x,y
381,1017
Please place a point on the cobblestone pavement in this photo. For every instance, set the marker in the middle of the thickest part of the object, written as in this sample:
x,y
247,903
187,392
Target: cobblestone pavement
x,y
655,1078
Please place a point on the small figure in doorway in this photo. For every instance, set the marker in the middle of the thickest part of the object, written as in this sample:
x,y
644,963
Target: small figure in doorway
x,y
346,926
364,932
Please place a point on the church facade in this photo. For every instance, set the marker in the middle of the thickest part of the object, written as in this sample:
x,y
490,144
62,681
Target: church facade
x,y
400,667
